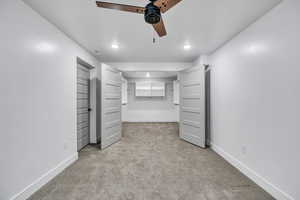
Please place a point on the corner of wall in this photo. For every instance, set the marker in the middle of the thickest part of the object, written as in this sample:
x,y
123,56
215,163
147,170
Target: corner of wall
x,y
258,179
45,178
202,60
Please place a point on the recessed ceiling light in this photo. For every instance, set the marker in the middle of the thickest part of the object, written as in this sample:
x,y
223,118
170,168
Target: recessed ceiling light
x,y
115,46
255,48
45,47
187,47
148,75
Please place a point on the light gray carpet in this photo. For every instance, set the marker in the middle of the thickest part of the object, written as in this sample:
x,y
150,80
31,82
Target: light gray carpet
x,y
150,163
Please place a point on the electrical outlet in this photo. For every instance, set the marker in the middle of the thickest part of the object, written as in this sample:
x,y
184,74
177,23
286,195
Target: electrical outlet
x,y
65,146
244,150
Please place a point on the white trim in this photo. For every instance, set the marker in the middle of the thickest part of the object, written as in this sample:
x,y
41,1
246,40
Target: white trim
x,y
44,179
150,121
254,176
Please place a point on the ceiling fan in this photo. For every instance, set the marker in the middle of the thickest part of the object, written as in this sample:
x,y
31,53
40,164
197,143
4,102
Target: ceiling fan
x,y
152,12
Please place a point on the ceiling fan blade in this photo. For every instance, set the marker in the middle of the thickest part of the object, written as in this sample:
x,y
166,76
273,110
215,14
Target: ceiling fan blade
x,y
165,5
122,7
160,28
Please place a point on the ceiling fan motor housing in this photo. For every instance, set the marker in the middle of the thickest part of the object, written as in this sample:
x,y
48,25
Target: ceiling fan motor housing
x,y
152,14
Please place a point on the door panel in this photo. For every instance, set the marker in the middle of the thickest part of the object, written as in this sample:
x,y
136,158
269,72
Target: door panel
x,y
111,129
82,95
82,89
83,129
192,106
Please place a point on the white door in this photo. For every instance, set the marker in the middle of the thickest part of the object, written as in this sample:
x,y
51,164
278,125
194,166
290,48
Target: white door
x,y
83,103
192,105
111,85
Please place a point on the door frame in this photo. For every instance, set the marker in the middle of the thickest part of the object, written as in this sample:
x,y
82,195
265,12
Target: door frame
x,y
92,99
208,104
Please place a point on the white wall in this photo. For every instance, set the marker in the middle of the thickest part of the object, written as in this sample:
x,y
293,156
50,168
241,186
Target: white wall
x,y
255,101
38,99
157,111
153,109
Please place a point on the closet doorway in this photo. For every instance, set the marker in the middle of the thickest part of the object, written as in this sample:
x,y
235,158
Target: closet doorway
x,y
84,107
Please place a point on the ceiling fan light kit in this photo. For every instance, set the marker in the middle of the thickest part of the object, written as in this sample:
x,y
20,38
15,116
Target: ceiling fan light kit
x,y
152,12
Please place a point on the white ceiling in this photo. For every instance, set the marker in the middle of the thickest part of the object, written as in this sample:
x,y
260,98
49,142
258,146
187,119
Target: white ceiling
x,y
142,74
204,24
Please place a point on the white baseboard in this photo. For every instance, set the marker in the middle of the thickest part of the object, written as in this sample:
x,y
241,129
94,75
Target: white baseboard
x,y
259,180
44,179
